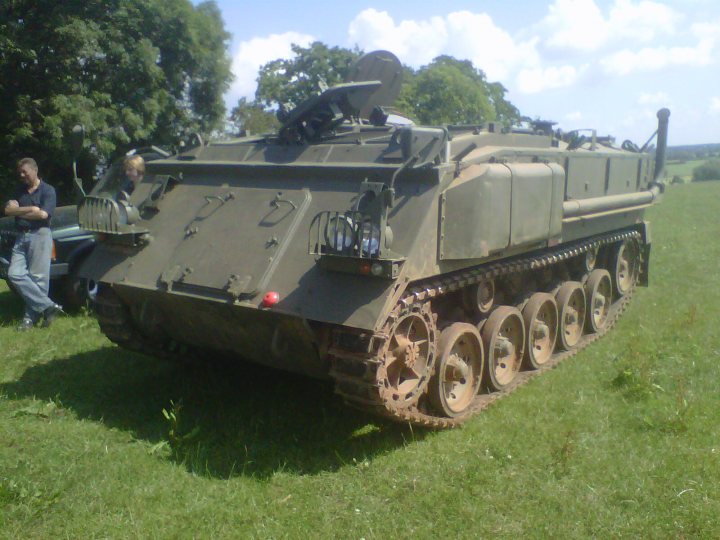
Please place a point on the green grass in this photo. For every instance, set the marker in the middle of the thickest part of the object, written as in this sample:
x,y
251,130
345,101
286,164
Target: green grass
x,y
622,440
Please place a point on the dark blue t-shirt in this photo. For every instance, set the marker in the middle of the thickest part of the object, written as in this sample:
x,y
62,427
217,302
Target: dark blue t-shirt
x,y
44,198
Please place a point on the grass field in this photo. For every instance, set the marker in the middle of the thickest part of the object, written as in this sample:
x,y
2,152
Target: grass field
x,y
683,169
621,441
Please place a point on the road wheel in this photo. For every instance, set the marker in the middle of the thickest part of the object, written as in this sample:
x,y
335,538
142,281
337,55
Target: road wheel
x,y
570,299
459,369
541,323
598,291
503,336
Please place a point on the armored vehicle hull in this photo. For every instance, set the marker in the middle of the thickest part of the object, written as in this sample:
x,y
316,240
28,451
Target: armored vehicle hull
x,y
427,271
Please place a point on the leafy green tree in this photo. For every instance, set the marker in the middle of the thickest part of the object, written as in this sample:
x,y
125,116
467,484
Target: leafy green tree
x,y
291,81
445,91
451,91
707,171
131,71
250,117
505,112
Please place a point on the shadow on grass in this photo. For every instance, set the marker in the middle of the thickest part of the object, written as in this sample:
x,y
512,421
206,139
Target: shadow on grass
x,y
248,420
11,308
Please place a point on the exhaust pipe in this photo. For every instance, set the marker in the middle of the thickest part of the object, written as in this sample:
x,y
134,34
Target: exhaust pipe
x,y
574,210
662,133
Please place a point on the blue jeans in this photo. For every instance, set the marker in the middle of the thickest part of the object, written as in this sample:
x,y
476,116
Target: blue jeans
x,y
29,270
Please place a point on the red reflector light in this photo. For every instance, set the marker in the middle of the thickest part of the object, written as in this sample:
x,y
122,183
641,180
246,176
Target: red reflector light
x,y
53,255
364,267
270,299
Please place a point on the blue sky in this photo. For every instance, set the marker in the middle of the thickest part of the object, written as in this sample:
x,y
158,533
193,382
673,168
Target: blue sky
x,y
608,65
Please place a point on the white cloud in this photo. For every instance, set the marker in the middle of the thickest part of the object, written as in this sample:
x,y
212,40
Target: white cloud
x,y
415,42
642,21
715,105
658,98
575,24
256,52
574,116
580,25
653,59
706,31
462,34
471,36
703,53
533,80
489,47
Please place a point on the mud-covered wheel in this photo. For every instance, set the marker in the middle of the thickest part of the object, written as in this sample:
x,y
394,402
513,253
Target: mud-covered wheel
x,y
625,266
407,356
503,336
459,369
113,317
541,322
570,299
598,292
115,322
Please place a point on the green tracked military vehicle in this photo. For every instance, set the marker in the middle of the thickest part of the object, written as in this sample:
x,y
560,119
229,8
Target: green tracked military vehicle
x,y
425,270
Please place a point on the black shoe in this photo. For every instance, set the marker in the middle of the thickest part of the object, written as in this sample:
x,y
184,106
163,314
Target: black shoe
x,y
25,325
51,313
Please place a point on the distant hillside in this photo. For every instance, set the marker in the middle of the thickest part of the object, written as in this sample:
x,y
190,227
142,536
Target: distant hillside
x,y
693,151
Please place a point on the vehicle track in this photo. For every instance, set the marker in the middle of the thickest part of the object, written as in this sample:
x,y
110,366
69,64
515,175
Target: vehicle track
x,y
355,371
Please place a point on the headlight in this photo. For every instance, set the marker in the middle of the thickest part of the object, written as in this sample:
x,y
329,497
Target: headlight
x,y
129,213
370,242
340,233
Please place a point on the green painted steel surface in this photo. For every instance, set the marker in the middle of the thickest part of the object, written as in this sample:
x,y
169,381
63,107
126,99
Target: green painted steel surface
x,y
228,222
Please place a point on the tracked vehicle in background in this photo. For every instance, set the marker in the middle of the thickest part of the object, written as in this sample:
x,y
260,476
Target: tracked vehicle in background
x,y
425,270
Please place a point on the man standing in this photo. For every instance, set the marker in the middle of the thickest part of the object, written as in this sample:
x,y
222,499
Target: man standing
x,y
33,207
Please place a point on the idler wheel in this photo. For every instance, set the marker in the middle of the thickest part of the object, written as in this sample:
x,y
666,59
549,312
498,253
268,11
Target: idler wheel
x,y
540,316
598,291
459,369
503,336
625,266
570,299
407,357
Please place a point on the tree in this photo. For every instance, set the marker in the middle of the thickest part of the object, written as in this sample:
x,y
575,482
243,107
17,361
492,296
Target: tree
x,y
451,91
132,72
505,112
707,171
445,91
294,80
249,117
